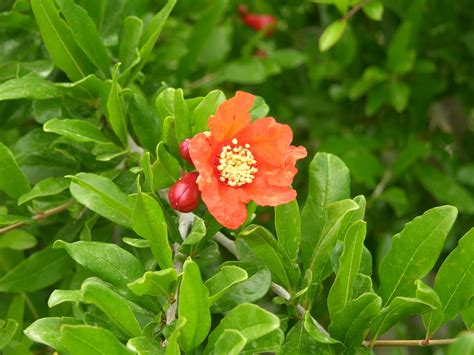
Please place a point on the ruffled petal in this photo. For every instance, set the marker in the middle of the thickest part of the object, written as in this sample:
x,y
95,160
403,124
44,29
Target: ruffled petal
x,y
201,150
285,175
264,194
231,116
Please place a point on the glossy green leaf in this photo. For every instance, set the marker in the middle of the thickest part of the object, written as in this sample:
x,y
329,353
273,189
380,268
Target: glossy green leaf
x,y
47,331
298,341
349,263
414,252
48,187
17,239
231,342
205,109
193,305
288,228
182,117
129,44
84,339
145,346
113,305
30,86
102,196
40,270
249,319
173,346
77,130
85,34
145,123
149,222
219,283
329,181
315,331
332,34
59,40
108,261
433,316
7,331
455,279
155,283
61,296
115,109
350,324
270,342
166,169
12,179
164,103
198,232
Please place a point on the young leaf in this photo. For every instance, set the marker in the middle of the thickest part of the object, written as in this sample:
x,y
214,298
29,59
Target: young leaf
x,y
47,331
59,40
85,34
102,196
231,342
77,130
108,261
350,324
249,319
205,109
61,296
182,117
455,279
219,283
173,346
414,252
349,263
115,113
331,34
328,182
117,308
149,222
40,270
84,339
48,187
155,283
288,228
12,179
193,305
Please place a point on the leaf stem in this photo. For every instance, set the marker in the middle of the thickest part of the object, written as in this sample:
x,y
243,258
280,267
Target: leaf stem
x,y
421,342
38,217
354,10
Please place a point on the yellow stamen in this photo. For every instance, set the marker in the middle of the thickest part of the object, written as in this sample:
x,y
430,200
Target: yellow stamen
x,y
236,165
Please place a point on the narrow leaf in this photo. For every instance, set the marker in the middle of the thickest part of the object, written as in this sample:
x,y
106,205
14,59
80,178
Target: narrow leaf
x,y
288,228
12,179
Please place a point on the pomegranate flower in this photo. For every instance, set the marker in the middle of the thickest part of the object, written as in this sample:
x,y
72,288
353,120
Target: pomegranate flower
x,y
239,161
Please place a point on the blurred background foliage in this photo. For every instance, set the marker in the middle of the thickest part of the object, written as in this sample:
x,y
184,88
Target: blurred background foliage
x,y
391,94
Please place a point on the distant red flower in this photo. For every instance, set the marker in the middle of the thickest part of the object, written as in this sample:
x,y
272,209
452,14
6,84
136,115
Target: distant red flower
x,y
259,22
240,161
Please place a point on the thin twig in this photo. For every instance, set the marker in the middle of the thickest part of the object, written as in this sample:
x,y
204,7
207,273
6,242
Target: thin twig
x,y
206,79
354,10
38,217
422,342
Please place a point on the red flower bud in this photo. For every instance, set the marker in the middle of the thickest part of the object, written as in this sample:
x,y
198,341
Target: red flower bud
x,y
260,22
184,194
184,150
260,54
243,10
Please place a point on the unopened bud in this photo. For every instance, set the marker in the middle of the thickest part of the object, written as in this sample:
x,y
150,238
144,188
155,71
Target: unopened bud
x,y
184,150
184,194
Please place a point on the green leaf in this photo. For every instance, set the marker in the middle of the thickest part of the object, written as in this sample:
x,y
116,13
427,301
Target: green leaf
x,y
298,341
48,187
464,345
86,35
155,283
166,169
61,296
400,55
47,331
102,196
12,179
130,41
259,109
116,115
349,263
59,40
250,290
315,332
173,346
164,103
350,324
219,283
193,305
108,261
40,270
332,34
468,315
414,252
77,130
145,346
31,87
145,123
205,109
249,319
374,10
243,71
117,308
328,182
7,331
434,316
84,339
198,232
231,342
398,309
455,279
182,118
269,343
371,76
149,222
399,95
288,228
17,240
264,246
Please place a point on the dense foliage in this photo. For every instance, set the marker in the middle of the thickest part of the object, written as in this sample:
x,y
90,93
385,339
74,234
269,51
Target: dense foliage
x,y
97,95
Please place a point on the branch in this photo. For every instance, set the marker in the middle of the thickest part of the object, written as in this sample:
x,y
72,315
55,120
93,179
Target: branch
x,y
354,10
38,217
423,342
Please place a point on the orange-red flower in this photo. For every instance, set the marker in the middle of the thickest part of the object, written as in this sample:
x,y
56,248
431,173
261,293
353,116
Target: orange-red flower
x,y
240,161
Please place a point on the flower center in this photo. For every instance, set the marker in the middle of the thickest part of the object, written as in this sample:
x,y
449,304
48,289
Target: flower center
x,y
236,164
